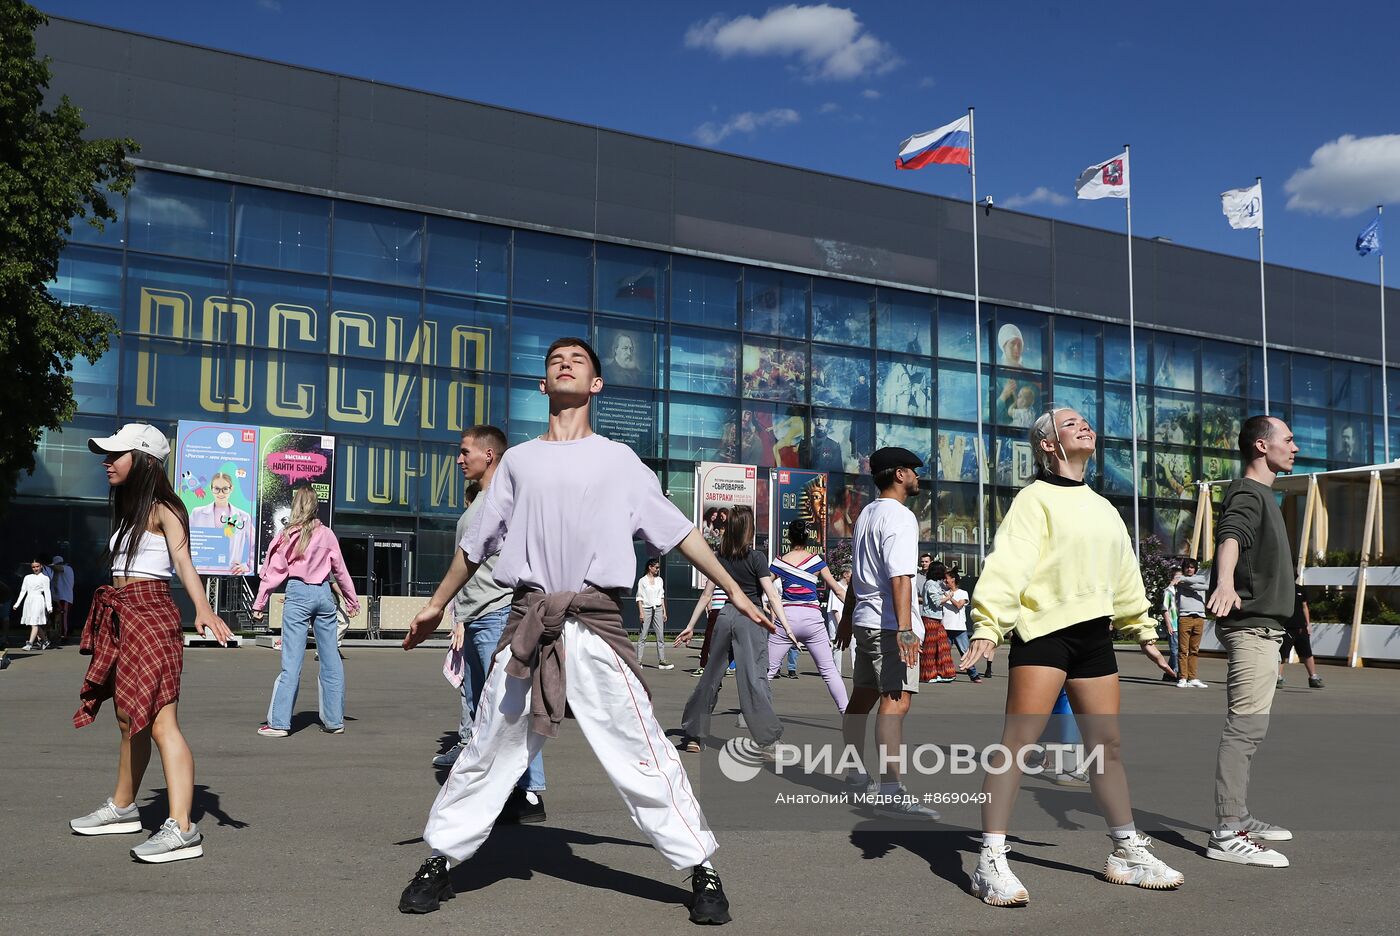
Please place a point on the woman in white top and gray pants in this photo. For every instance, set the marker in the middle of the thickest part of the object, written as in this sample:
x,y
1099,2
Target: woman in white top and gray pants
x,y
651,605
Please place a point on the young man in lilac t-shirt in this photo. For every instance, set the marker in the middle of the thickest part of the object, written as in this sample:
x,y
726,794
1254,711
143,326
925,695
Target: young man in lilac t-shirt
x,y
562,512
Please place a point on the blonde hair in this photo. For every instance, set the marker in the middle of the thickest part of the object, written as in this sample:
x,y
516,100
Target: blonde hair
x,y
304,520
1043,429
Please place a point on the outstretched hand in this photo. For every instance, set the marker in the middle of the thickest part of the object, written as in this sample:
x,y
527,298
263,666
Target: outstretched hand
x,y
1223,600
211,625
424,623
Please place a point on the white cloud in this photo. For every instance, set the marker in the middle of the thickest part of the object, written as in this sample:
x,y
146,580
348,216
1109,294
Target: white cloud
x,y
830,107
927,82
273,5
870,94
712,133
830,41
1041,196
1348,176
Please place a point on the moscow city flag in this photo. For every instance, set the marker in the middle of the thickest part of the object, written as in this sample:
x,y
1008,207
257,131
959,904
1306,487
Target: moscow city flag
x,y
1107,179
950,144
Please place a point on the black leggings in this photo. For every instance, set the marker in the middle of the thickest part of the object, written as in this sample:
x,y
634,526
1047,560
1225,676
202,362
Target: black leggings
x,y
1295,639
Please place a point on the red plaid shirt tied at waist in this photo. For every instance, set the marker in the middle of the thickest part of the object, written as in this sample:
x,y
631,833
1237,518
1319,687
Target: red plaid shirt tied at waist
x,y
134,636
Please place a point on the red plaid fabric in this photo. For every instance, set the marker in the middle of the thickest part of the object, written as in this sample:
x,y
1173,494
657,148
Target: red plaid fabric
x,y
137,646
936,655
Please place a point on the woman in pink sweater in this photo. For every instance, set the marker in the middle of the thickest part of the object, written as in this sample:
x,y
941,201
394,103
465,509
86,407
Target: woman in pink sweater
x,y
306,555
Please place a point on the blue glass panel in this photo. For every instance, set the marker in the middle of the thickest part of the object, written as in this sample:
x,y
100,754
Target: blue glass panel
x,y
1117,412
289,309
286,230
378,322
1223,368
383,397
841,378
631,281
955,325
180,215
529,410
1174,361
174,299
904,385
1311,380
842,312
775,370
378,476
704,429
704,292
381,244
471,333
112,233
904,322
165,380
64,468
1351,386
1115,353
703,362
632,417
775,303
466,257
957,393
455,400
532,331
553,270
1080,395
1076,346
289,389
93,278
915,435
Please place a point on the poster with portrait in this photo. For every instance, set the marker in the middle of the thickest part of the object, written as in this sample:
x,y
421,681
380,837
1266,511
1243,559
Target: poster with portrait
x,y
720,487
1018,340
287,457
798,495
216,478
628,355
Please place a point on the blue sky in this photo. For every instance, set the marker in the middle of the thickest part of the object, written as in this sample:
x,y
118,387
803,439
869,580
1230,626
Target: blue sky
x,y
1208,94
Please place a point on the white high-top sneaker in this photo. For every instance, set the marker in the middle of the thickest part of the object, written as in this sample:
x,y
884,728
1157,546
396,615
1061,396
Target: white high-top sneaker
x,y
994,883
1132,862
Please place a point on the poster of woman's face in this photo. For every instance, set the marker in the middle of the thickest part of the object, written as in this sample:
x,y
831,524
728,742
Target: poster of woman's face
x,y
1018,341
627,356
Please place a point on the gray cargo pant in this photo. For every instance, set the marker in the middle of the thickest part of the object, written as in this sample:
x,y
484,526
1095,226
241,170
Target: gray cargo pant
x,y
750,645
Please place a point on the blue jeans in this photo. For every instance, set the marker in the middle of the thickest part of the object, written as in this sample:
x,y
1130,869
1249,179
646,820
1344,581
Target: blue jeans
x,y
1175,658
960,641
482,637
791,660
308,606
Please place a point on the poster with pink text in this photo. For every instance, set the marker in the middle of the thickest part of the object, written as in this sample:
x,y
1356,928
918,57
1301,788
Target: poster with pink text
x,y
288,457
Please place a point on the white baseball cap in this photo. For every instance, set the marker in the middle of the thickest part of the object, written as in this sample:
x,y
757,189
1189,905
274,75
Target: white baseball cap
x,y
133,437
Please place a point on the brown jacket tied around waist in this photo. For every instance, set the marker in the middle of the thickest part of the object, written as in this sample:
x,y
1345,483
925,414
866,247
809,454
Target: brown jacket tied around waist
x,y
537,653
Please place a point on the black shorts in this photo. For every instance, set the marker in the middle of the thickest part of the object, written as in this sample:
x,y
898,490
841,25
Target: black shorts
x,y
1083,651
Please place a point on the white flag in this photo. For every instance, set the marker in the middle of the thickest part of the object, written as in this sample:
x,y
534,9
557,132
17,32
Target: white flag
x,y
1244,207
1105,180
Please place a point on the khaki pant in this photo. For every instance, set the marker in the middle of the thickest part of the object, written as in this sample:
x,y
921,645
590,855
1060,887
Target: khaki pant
x,y
1249,695
1189,631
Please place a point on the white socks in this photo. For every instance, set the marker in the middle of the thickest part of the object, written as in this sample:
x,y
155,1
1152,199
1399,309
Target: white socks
x,y
993,839
1122,833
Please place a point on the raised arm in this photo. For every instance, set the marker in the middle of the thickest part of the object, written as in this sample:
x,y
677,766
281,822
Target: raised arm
x,y
832,584
700,604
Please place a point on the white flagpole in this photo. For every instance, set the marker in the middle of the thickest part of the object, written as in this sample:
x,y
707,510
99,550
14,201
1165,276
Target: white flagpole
x,y
1263,317
1385,387
977,343
1132,361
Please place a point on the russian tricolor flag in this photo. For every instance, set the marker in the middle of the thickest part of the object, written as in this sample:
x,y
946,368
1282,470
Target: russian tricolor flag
x,y
949,144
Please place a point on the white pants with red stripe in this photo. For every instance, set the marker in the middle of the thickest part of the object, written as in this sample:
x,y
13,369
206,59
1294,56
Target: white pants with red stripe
x,y
614,712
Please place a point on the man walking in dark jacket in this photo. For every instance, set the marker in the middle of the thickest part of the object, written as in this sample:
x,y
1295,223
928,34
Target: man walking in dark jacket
x,y
1251,598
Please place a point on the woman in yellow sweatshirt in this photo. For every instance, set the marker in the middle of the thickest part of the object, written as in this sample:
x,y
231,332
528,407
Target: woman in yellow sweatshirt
x,y
1062,573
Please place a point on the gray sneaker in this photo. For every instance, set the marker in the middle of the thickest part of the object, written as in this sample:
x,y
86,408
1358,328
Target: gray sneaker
x,y
449,757
1265,831
108,820
170,844
905,805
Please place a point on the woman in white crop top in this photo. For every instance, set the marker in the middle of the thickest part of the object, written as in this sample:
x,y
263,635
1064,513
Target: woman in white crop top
x,y
136,640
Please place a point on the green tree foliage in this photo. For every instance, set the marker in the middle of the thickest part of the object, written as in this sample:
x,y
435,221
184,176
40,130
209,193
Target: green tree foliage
x,y
49,174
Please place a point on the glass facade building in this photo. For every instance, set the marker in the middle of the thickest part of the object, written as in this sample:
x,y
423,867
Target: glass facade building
x,y
311,251
393,329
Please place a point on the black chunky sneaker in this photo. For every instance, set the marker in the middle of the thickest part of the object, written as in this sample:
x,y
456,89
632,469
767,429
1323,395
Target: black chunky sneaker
x,y
428,889
708,905
518,809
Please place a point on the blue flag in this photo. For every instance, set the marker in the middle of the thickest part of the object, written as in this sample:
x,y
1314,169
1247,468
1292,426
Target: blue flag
x,y
1369,241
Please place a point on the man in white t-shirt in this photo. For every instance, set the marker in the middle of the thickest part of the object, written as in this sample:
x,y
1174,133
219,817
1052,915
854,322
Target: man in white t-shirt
x,y
651,607
562,512
955,615
882,614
